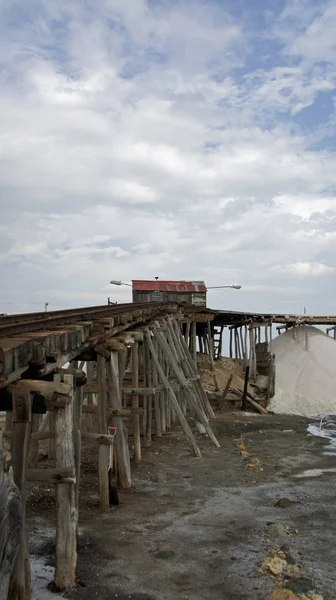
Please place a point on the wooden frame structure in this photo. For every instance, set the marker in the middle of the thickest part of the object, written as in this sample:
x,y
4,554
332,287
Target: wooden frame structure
x,y
128,367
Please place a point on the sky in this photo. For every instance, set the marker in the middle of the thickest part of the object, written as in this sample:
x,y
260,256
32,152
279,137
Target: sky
x,y
172,138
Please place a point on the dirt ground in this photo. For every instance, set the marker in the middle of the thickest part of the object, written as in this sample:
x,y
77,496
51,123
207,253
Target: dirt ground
x,y
197,529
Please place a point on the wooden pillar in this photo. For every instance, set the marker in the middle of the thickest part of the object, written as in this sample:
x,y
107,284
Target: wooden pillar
x,y
135,403
10,525
157,412
77,419
188,433
20,584
67,513
34,444
231,341
147,424
193,342
102,428
121,439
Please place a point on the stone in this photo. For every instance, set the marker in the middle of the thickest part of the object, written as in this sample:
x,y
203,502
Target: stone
x,y
273,565
282,595
285,503
275,530
164,554
302,585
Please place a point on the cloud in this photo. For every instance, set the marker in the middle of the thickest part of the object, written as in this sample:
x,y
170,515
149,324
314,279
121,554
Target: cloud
x,y
166,139
307,269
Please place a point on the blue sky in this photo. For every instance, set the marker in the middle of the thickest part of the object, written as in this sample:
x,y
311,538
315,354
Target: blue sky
x,y
187,140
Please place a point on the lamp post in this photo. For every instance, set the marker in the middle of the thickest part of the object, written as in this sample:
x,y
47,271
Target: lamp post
x,y
217,287
114,282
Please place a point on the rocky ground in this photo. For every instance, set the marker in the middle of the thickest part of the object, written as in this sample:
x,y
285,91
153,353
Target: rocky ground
x,y
255,516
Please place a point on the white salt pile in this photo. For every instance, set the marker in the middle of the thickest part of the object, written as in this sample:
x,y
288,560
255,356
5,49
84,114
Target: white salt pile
x,y
305,379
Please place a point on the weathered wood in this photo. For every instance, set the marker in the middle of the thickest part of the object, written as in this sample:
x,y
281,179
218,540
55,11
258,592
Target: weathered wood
x,y
246,380
193,343
57,475
157,410
77,425
190,369
10,526
34,444
66,511
20,584
148,399
225,391
121,438
194,405
135,403
99,438
187,431
103,464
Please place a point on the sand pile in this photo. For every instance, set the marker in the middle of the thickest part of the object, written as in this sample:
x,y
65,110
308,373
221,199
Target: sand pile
x,y
223,368
305,379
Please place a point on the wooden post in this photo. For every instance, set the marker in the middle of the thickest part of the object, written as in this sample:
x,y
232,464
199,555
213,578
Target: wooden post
x,y
188,433
162,395
102,428
77,420
51,443
193,343
20,585
135,403
247,375
194,405
231,336
67,513
147,426
10,526
187,333
121,439
157,396
34,444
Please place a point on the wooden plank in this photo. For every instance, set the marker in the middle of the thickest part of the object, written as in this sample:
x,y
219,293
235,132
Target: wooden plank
x,y
135,403
121,438
187,431
20,583
57,475
66,511
10,526
102,427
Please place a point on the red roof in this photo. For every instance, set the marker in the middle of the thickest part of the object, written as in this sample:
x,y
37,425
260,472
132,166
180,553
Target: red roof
x,y
169,286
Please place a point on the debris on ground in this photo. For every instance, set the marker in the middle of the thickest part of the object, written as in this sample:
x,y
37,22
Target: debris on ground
x,y
285,503
275,530
274,564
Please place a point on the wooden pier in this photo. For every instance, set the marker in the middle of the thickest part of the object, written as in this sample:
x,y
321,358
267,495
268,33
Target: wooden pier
x,y
75,377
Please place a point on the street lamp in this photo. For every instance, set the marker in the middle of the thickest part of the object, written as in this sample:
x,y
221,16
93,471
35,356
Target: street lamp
x,y
120,283
217,287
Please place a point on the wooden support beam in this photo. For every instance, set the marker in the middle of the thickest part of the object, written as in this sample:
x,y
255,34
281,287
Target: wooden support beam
x,y
103,464
67,513
147,424
10,526
58,475
135,403
121,438
20,583
187,431
98,438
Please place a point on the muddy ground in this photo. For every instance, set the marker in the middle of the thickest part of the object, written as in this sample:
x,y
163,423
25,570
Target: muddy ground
x,y
195,529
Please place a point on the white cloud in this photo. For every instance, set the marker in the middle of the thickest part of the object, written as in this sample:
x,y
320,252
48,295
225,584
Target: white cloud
x,y
130,147
309,269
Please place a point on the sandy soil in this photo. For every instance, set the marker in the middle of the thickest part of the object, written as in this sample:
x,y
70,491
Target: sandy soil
x,y
195,529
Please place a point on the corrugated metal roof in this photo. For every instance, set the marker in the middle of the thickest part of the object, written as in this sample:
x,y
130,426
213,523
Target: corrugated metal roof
x,y
169,286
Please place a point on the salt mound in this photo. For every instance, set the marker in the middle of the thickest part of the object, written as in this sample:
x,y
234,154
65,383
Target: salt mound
x,y
305,380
